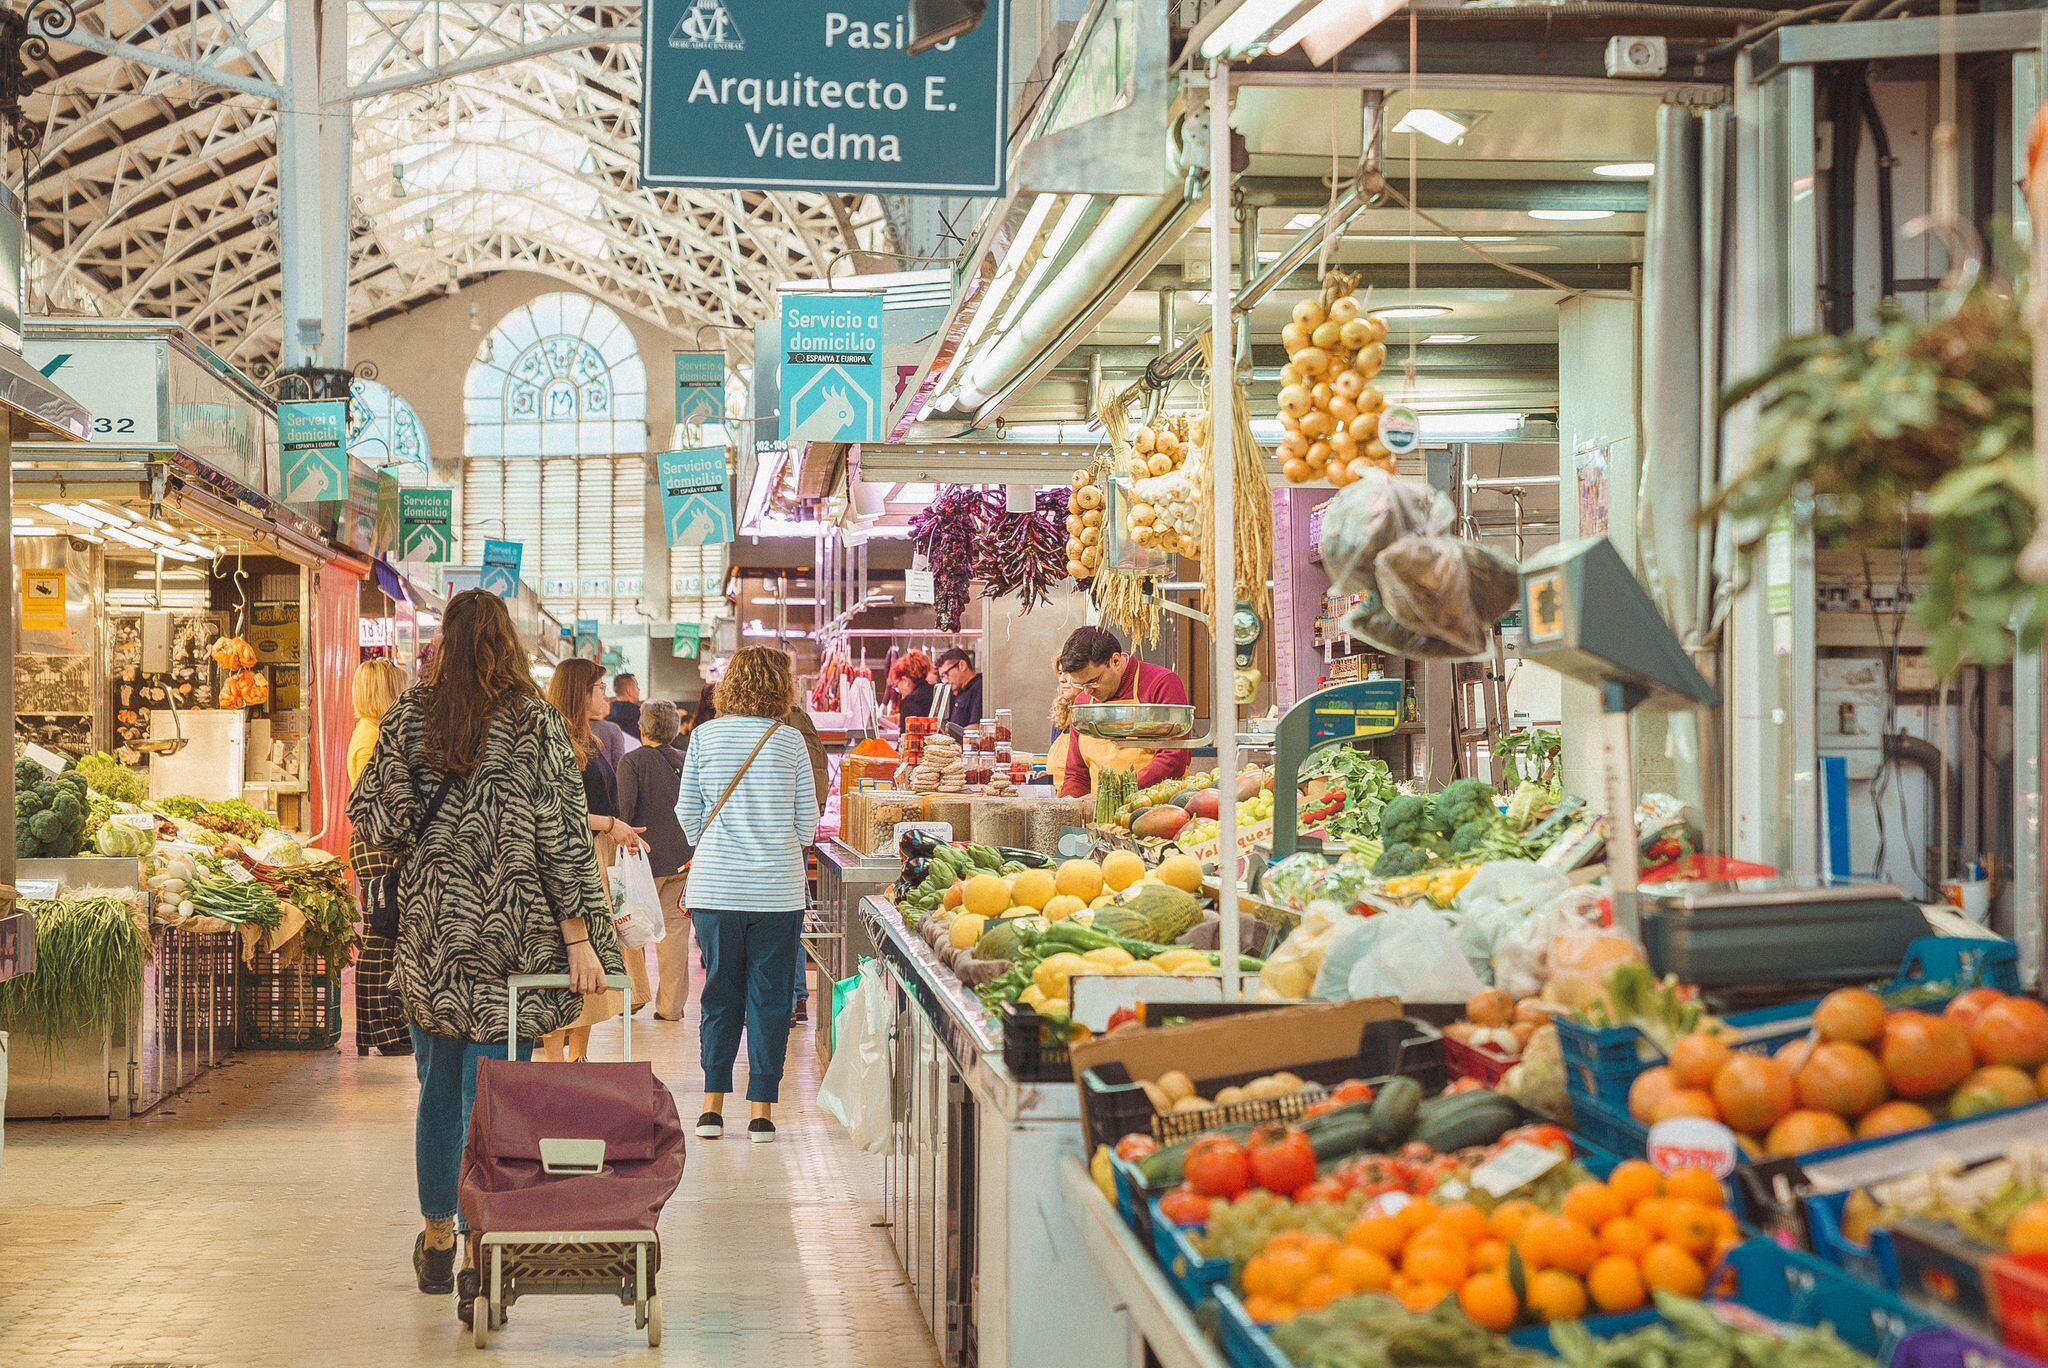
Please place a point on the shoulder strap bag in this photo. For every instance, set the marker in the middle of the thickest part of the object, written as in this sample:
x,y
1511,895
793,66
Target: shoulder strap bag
x,y
385,866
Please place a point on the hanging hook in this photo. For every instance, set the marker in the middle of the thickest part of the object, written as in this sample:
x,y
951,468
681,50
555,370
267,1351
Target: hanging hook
x,y
241,596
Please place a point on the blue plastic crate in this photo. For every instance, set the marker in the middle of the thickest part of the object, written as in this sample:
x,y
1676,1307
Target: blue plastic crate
x,y
1609,1128
1876,1263
1132,1203
1245,1342
1194,1277
1602,1062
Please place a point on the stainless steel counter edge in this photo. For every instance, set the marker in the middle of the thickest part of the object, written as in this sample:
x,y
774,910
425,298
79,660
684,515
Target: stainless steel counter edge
x,y
1130,1273
845,857
962,1024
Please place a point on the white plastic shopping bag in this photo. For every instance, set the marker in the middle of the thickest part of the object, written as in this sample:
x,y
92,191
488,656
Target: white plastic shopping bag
x,y
636,906
855,1092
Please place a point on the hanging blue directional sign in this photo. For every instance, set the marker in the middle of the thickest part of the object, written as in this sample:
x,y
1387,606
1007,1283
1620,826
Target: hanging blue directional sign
x,y
426,525
500,570
312,439
696,504
700,388
820,95
831,378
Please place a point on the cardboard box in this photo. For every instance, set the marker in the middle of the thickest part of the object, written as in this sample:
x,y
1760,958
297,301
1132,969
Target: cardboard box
x,y
1231,1048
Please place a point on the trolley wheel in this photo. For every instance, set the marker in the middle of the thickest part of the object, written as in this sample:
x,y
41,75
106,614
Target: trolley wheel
x,y
654,1321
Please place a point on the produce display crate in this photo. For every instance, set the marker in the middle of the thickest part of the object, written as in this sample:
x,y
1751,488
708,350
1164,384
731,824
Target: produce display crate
x,y
1603,1062
1481,1062
1030,1051
1609,1128
1957,1276
1876,1262
1399,1047
1948,1347
1194,1276
293,1006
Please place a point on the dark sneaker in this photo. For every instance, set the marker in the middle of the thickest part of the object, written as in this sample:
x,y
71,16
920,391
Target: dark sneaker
x,y
435,1268
802,1012
710,1126
761,1131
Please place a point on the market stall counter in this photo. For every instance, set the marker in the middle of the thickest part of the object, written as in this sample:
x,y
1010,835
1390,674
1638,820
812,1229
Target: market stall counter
x,y
973,1175
836,936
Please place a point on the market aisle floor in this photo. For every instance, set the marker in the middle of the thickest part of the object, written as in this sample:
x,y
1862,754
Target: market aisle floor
x,y
265,1218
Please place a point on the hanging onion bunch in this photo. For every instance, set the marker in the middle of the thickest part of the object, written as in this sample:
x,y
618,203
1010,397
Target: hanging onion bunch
x,y
1864,424
1167,484
1022,553
1329,406
1085,528
944,532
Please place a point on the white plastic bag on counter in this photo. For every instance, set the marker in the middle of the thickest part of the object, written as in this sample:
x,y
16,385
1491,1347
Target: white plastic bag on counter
x,y
1521,961
855,1090
1501,896
1411,953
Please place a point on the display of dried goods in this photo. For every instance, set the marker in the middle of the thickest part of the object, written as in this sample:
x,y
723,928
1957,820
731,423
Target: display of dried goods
x,y
244,689
1329,406
966,534
233,653
1253,518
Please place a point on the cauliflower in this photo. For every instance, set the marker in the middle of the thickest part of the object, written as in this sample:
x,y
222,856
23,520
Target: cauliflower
x,y
1538,1081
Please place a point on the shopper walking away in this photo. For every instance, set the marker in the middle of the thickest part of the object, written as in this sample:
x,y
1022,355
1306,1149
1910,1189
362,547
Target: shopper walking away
x,y
956,668
625,709
475,778
380,1026
821,781
650,780
749,805
577,694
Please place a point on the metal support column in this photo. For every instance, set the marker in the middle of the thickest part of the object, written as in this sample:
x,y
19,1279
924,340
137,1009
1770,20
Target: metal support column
x,y
314,138
1223,489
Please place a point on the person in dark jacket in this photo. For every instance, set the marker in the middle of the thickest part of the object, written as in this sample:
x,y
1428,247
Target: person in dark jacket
x,y
625,709
956,668
648,782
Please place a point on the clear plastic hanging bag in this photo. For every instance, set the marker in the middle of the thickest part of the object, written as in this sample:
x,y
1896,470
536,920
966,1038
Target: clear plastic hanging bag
x,y
1447,589
1371,515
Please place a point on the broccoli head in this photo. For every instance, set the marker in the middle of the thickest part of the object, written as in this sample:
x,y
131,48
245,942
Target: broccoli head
x,y
1405,821
26,806
27,774
47,828
1471,835
1401,858
1462,801
66,805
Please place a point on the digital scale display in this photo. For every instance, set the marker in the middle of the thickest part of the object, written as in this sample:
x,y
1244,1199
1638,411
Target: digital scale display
x,y
1356,712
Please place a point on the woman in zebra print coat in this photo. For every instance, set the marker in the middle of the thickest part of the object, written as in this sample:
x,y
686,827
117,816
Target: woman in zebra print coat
x,y
501,879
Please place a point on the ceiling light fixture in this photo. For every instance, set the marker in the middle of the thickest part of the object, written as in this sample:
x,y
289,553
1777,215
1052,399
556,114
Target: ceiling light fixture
x,y
1332,26
81,517
1301,221
1445,339
1448,129
35,531
998,290
1627,170
1430,237
1241,30
101,506
1570,215
1411,311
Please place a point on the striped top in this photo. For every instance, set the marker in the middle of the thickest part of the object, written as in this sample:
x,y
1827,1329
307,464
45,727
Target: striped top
x,y
752,858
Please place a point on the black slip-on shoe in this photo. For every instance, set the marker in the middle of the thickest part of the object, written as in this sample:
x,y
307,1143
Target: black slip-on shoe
x,y
710,1126
435,1268
761,1131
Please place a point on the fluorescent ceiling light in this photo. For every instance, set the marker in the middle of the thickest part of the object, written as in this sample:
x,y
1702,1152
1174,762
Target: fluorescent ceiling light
x,y
1301,221
203,552
76,515
122,534
1332,26
102,506
1570,215
1411,311
1453,426
999,285
1245,27
35,531
1438,339
1055,243
1448,129
1429,237
1630,170
160,538
175,554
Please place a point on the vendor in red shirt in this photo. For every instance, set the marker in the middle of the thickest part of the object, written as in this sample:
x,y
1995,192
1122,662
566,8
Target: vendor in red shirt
x,y
1094,660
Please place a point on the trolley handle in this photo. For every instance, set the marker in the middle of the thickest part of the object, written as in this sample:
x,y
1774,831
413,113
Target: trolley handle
x,y
519,981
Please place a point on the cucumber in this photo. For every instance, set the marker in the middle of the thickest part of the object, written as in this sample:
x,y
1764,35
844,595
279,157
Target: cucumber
x,y
1394,1111
1450,1124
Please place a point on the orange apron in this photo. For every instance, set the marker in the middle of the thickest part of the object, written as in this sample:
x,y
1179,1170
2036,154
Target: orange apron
x,y
1099,754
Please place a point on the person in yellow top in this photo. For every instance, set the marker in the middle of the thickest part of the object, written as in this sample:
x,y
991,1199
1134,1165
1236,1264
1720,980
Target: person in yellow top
x,y
377,685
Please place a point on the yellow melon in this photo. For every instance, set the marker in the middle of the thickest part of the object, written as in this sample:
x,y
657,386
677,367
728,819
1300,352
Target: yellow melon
x,y
986,896
1109,957
1062,907
1034,888
1181,871
1138,968
1080,879
1122,868
967,928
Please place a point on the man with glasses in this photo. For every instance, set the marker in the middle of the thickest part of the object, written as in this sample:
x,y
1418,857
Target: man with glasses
x,y
1094,661
956,668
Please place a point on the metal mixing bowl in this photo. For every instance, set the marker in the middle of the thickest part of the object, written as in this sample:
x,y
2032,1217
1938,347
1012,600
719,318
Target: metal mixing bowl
x,y
1135,721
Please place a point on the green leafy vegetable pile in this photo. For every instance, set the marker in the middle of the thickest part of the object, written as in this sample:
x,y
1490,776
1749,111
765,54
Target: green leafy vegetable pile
x,y
1369,1331
1368,787
109,776
1692,1336
49,813
321,892
89,955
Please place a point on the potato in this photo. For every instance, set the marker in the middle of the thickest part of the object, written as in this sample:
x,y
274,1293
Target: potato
x,y
1156,1095
1292,1082
1229,1096
1176,1085
1265,1089
1192,1104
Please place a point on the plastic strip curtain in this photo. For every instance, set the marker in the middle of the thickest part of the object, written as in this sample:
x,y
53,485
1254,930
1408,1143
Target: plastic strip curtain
x,y
332,651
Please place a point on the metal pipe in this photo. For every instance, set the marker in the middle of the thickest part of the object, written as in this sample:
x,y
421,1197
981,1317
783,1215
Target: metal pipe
x,y
1223,489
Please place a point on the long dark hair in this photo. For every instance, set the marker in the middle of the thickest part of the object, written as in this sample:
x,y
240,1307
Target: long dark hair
x,y
569,692
479,668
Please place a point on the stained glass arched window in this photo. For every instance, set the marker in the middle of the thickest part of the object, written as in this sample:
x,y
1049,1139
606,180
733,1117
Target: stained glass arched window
x,y
560,376
385,434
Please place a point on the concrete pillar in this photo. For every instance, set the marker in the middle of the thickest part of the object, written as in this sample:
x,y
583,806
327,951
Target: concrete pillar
x,y
314,153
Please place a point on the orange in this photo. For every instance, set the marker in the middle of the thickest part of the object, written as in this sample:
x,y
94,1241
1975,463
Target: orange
x,y
1559,1242
1322,1290
1616,1285
1468,1220
1725,1225
1362,1270
1511,1217
1383,1235
1696,1185
1488,1300
1696,1058
1286,1239
2028,1233
1668,1268
1257,1279
1555,1296
1635,1181
1287,1272
1319,1247
1436,1261
1592,1205
1490,1254
1417,1214
1423,1296
1626,1236
1655,1214
1268,1310
1691,1227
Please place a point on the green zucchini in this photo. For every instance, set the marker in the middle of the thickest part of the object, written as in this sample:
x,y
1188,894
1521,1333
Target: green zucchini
x,y
1450,1124
1394,1110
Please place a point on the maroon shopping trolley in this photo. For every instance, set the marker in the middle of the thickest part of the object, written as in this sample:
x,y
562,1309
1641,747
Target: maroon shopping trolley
x,y
564,1178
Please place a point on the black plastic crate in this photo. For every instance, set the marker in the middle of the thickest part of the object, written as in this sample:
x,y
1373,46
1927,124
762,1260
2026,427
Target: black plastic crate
x,y
294,1006
1031,1052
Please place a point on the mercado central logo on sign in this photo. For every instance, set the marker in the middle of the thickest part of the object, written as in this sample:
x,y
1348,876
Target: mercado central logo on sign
x,y
820,95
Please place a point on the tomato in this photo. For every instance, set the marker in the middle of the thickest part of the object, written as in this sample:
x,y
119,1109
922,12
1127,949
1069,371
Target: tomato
x,y
1351,1090
1322,1108
1415,1152
1185,1207
1283,1159
1217,1166
1135,1146
1323,1190
1122,1016
1549,1137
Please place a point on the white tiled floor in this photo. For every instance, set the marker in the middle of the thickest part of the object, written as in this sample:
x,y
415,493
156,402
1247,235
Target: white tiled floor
x,y
265,1218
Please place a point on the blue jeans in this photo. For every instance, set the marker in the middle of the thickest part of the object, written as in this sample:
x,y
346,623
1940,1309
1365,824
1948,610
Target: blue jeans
x,y
447,1072
751,960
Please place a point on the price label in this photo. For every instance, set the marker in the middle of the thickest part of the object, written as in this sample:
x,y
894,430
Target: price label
x,y
1693,1142
942,830
141,821
1388,1204
1519,1165
919,587
235,872
48,759
36,890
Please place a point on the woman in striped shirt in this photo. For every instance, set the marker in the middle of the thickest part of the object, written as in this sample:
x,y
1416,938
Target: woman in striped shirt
x,y
747,804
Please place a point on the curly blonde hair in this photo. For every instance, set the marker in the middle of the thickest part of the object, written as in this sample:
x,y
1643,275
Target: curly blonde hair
x,y
757,683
